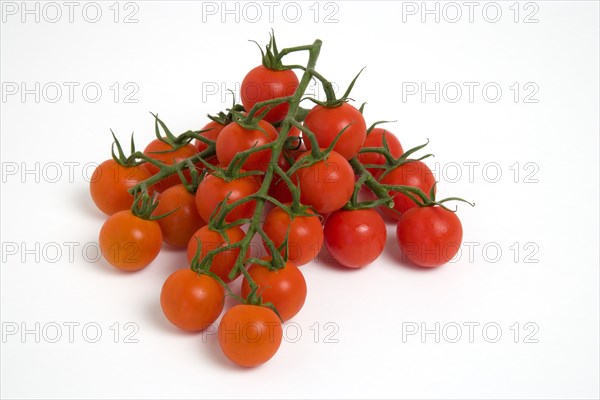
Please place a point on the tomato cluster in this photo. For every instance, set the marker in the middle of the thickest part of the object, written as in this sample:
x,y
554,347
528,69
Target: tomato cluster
x,y
270,168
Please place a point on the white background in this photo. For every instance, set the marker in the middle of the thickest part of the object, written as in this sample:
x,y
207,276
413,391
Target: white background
x,y
176,55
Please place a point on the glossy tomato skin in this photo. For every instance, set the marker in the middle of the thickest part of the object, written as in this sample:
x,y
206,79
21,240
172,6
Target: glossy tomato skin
x,y
375,139
414,173
213,189
305,237
222,263
191,301
234,139
355,238
327,122
250,335
110,183
429,236
326,185
183,221
262,84
156,150
129,243
285,288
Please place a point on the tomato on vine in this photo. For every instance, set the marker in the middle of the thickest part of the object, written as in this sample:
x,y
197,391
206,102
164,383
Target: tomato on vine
x,y
327,122
234,139
250,335
305,234
223,262
110,183
429,236
326,185
412,173
128,242
375,139
181,219
167,154
355,238
211,131
213,189
285,288
262,83
191,301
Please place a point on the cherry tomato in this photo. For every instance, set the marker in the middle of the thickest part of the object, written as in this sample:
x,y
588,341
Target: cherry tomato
x,y
375,139
305,236
298,144
285,288
327,122
191,301
262,84
129,243
163,152
109,184
178,227
223,262
429,236
234,139
212,190
279,189
214,129
327,185
414,173
250,335
355,238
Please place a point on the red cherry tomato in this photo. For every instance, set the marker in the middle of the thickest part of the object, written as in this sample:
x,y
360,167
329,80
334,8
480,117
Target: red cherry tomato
x,y
224,261
179,226
375,139
326,123
429,236
110,183
415,174
305,236
163,152
262,84
355,238
250,335
285,288
234,139
191,301
213,129
327,185
129,243
212,190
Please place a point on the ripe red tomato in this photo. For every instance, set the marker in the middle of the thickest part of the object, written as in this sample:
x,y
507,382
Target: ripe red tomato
x,y
234,139
326,123
375,139
110,183
279,189
326,185
178,227
285,288
429,236
191,301
262,84
215,129
414,173
305,236
223,262
355,238
212,190
129,243
250,335
156,150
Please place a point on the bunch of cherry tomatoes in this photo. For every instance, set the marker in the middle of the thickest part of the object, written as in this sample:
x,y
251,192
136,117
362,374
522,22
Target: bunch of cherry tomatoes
x,y
299,178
